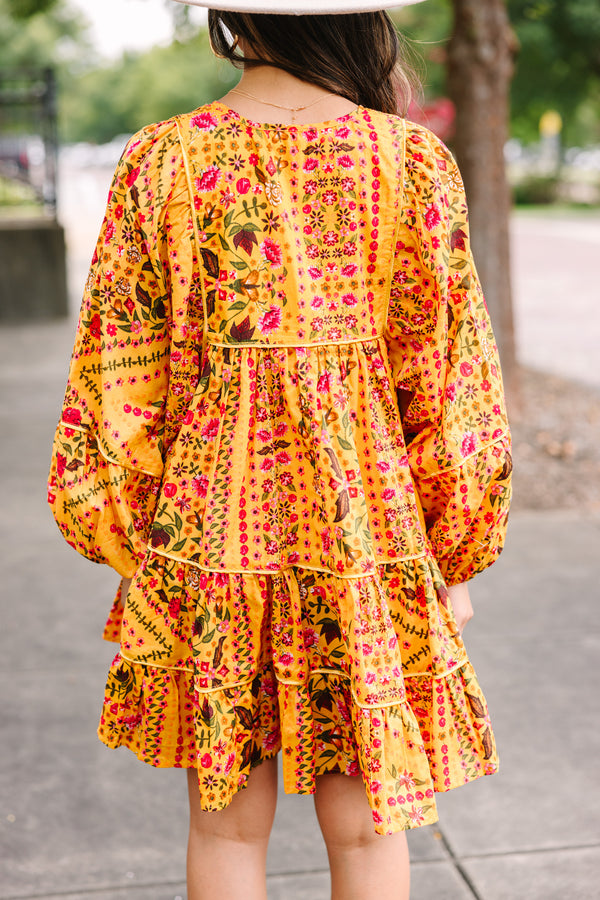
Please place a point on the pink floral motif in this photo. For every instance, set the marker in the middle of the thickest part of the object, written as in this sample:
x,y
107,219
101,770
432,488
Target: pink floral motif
x,y
272,251
270,320
210,430
432,216
209,179
200,485
111,230
205,121
133,176
61,464
324,383
469,443
72,415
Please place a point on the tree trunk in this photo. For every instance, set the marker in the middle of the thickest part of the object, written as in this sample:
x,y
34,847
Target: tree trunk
x,y
480,67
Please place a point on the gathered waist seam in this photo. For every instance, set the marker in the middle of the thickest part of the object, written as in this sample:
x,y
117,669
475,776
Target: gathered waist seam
x,y
321,670
296,344
232,571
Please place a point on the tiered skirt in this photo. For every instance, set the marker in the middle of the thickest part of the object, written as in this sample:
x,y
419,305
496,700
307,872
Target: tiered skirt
x,y
366,676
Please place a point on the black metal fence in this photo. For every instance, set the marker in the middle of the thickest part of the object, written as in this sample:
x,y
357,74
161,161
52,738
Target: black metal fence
x,y
28,139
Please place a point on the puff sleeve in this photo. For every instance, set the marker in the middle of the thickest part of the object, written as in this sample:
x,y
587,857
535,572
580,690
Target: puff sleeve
x,y
446,369
107,458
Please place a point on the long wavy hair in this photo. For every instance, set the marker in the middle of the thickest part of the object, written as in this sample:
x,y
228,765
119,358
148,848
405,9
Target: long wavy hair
x,y
359,56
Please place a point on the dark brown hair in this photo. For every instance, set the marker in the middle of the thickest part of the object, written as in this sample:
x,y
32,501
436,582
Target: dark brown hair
x,y
356,56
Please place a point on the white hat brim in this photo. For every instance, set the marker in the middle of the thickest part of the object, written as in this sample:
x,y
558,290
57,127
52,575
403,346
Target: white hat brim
x,y
299,7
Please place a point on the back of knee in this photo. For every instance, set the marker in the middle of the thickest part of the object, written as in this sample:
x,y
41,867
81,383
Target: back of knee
x,y
228,831
344,814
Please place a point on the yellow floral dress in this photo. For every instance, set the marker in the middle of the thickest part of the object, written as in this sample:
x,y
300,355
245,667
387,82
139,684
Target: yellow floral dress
x,y
284,419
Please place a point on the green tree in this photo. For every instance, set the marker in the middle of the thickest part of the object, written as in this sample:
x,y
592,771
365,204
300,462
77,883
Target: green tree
x,y
480,68
557,62
37,33
557,66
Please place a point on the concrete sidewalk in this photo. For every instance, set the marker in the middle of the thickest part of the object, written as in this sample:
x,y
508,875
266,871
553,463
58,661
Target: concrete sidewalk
x,y
80,821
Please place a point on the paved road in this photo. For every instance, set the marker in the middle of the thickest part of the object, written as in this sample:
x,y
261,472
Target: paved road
x,y
82,822
556,262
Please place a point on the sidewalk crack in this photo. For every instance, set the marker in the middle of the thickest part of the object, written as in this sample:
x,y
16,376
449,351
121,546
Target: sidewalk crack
x,y
531,851
460,869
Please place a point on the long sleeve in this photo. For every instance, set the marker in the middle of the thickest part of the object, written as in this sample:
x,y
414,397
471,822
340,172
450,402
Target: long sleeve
x,y
446,369
108,450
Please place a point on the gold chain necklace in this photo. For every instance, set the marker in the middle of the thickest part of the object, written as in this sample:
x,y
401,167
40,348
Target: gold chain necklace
x,y
292,109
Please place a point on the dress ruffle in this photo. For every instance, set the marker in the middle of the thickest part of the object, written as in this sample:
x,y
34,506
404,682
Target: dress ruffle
x,y
378,685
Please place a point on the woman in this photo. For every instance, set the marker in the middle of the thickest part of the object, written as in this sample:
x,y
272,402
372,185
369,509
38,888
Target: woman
x,y
284,428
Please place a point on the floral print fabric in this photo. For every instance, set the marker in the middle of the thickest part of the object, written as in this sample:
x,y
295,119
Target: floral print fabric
x,y
284,419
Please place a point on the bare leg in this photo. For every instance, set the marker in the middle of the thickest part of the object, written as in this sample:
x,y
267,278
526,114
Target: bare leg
x,y
227,850
364,865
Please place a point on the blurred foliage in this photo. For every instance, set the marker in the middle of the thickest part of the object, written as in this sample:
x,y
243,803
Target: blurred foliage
x,y
51,33
24,9
536,190
427,28
558,66
143,88
15,194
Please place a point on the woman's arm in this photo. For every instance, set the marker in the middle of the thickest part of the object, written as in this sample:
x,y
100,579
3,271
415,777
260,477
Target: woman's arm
x,y
461,603
107,459
125,585
446,371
